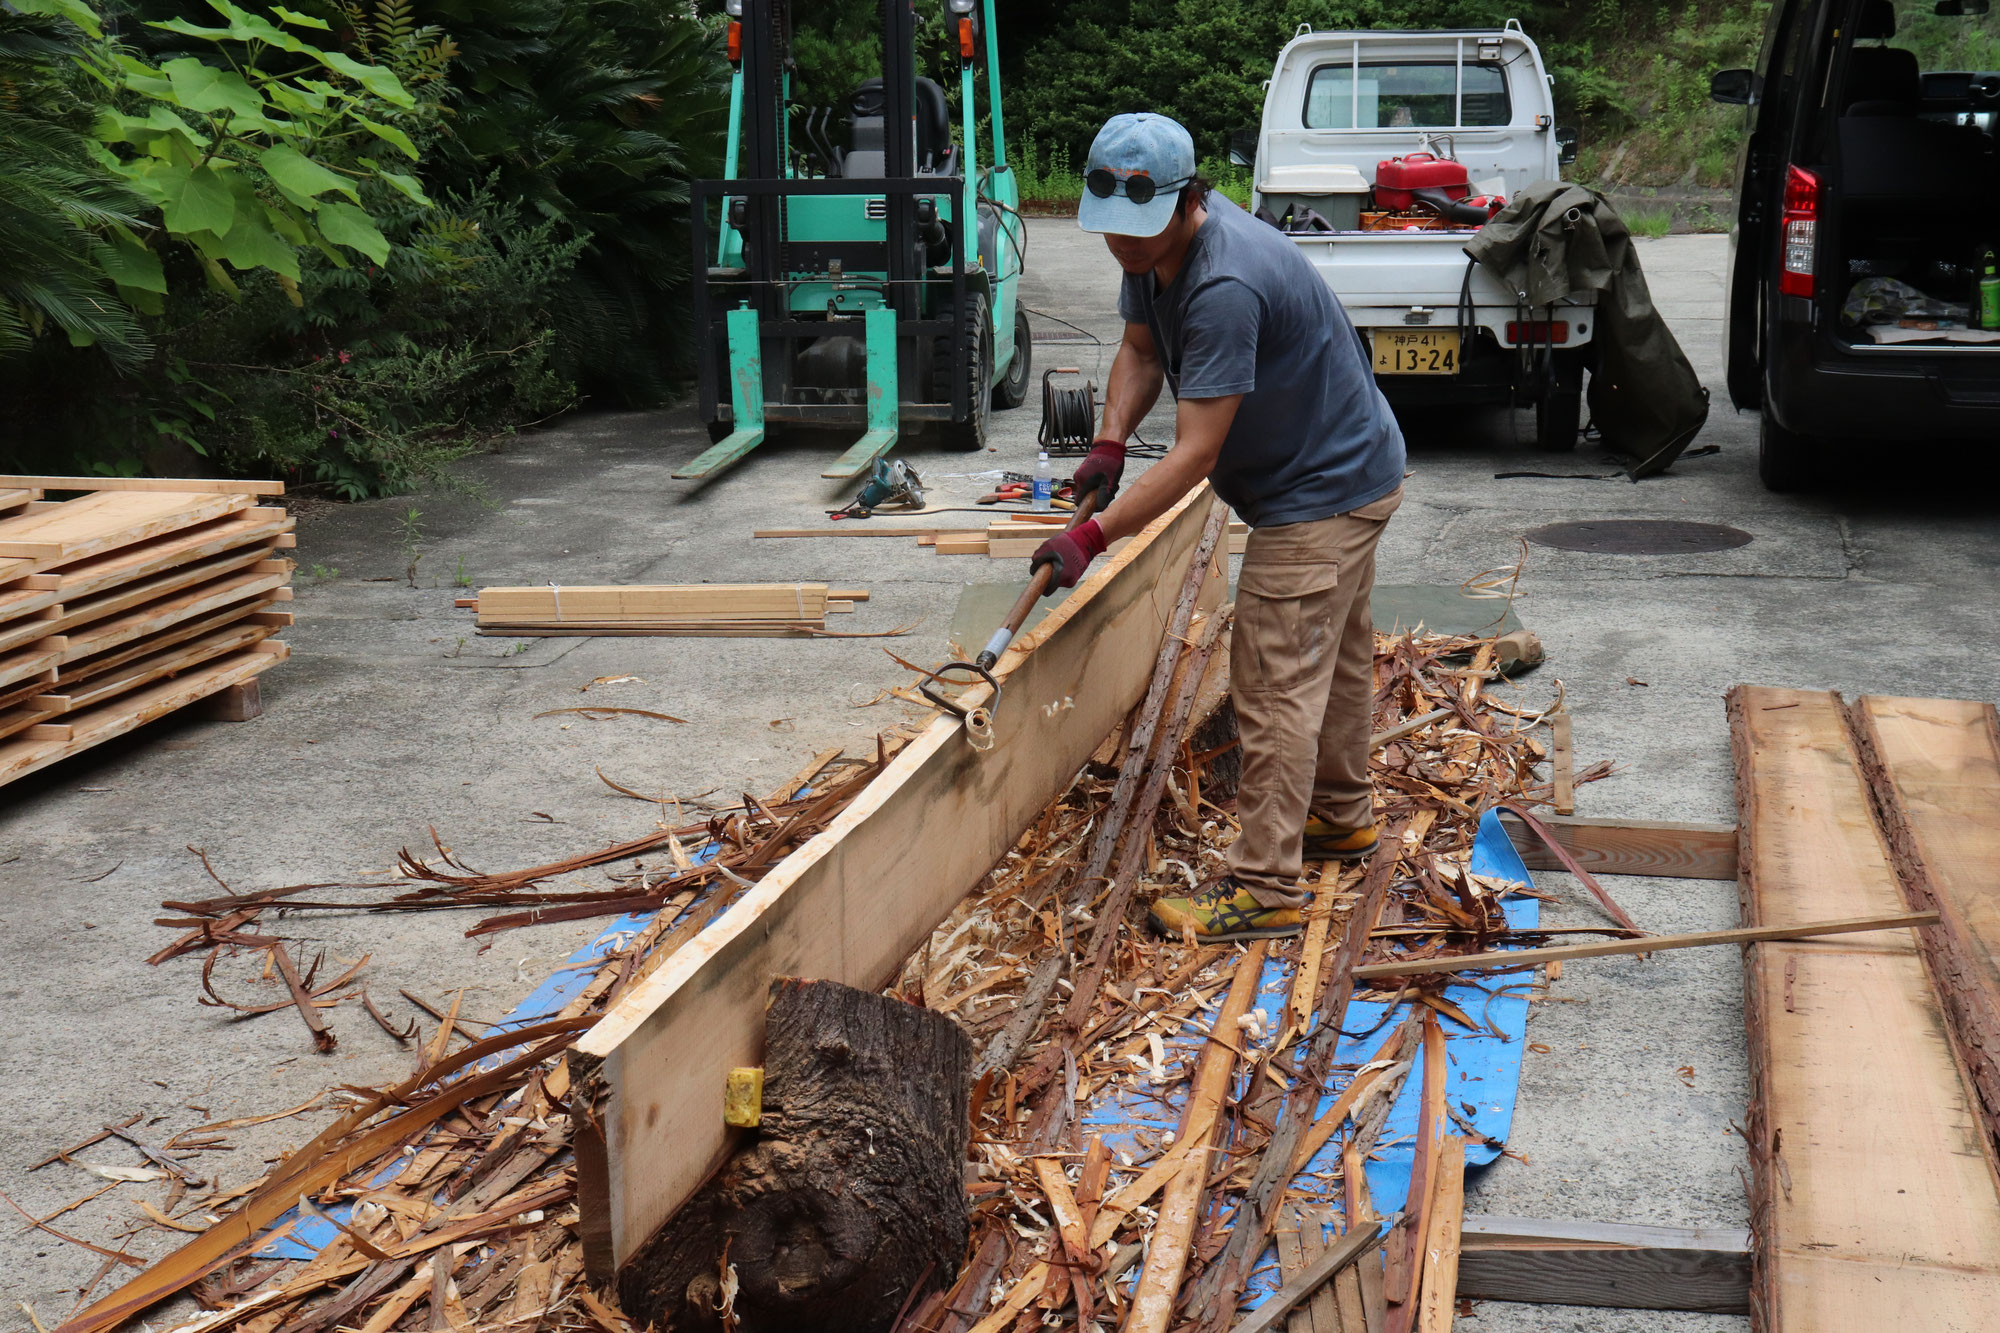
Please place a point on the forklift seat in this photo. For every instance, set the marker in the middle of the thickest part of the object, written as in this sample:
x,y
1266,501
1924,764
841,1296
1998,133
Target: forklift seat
x,y
866,156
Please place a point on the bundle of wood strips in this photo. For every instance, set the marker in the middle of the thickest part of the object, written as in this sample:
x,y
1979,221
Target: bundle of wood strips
x,y
701,610
126,602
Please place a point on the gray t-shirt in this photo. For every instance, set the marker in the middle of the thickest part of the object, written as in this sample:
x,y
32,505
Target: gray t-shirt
x,y
1249,314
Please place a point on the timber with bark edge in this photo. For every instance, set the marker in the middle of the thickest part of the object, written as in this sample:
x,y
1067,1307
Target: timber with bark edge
x,y
852,903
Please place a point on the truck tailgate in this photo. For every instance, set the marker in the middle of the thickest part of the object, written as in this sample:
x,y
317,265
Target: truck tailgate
x,y
1380,276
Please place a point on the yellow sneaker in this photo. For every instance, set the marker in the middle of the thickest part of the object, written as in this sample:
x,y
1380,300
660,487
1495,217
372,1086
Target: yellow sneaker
x,y
1223,911
1331,842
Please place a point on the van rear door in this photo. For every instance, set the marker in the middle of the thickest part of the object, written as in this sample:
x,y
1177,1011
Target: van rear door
x,y
1771,119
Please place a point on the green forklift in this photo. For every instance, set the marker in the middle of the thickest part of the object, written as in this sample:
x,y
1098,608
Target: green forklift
x,y
865,269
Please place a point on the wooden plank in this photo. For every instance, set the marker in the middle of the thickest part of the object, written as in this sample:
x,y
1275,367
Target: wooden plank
x,y
1556,953
851,904
1441,1245
88,610
1562,765
1933,769
864,529
151,667
1610,1266
107,520
1354,1245
101,635
1669,849
29,628
252,527
210,485
1013,541
13,497
713,630
1873,1201
1290,1240
23,663
22,600
84,669
97,725
655,602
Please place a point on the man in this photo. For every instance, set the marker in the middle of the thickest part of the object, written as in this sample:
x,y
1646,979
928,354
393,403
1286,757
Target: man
x,y
1278,408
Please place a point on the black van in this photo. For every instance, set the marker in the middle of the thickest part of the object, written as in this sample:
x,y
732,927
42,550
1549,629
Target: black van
x,y
1867,205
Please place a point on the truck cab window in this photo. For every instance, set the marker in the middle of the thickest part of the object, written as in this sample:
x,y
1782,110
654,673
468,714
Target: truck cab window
x,y
1413,95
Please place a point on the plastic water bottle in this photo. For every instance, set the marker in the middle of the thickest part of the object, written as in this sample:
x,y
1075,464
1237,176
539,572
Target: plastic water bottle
x,y
1045,483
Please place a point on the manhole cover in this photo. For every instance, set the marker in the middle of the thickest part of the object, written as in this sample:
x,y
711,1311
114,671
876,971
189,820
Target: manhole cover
x,y
1639,536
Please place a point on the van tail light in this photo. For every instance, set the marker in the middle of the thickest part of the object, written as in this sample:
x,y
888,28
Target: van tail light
x,y
1537,331
1801,231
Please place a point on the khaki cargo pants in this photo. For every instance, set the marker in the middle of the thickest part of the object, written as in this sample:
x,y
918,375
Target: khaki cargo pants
x,y
1301,666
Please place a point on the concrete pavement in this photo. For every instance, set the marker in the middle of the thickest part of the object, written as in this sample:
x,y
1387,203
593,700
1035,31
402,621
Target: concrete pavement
x,y
392,719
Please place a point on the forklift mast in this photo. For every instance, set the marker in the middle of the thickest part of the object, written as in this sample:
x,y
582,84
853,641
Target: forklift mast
x,y
860,290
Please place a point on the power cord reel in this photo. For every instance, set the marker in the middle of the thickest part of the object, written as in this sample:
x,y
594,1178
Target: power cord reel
x,y
1069,412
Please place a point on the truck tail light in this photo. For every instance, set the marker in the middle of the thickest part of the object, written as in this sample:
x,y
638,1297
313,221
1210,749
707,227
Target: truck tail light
x,y
1801,240
1537,331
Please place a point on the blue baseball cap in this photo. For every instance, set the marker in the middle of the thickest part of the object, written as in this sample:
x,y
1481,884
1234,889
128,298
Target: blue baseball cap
x,y
1134,145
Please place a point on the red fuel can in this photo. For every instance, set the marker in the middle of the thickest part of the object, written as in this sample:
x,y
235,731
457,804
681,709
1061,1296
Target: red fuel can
x,y
1395,178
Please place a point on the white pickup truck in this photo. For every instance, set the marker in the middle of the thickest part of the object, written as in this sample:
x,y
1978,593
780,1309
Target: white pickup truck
x,y
1338,108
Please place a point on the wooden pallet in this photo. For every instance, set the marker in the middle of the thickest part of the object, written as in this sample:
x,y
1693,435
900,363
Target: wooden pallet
x,y
1874,1202
123,598
77,732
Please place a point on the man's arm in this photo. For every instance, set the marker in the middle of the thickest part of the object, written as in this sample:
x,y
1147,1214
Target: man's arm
x,y
1201,424
1136,381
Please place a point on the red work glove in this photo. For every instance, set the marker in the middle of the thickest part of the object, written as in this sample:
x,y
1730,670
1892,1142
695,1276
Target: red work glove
x,y
1070,552
1101,467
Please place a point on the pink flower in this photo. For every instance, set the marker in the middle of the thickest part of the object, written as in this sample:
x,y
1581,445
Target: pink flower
x,y
345,357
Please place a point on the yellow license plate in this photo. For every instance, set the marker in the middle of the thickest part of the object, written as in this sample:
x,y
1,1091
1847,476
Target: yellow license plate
x,y
1416,352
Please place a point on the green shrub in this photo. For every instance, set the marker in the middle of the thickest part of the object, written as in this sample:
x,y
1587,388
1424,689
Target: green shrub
x,y
57,202
1649,222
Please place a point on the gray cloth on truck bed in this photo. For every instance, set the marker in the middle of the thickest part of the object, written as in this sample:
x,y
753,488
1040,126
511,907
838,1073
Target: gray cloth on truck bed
x,y
1555,238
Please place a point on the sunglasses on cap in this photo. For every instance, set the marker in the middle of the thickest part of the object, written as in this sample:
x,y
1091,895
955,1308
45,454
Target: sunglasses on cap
x,y
1139,189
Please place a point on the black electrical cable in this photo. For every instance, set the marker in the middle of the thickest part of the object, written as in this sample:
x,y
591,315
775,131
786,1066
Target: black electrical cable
x,y
1069,416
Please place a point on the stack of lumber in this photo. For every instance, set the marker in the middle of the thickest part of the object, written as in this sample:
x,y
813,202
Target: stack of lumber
x,y
124,603
697,610
1874,1196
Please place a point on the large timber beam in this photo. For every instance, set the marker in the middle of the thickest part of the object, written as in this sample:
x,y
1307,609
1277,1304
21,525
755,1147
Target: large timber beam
x,y
852,903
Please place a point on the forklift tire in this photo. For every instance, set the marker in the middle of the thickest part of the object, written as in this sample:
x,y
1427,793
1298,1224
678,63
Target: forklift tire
x,y
1013,391
1784,457
1559,411
969,435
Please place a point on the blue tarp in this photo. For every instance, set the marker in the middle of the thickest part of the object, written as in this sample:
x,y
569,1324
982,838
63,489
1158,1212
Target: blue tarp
x,y
1483,1068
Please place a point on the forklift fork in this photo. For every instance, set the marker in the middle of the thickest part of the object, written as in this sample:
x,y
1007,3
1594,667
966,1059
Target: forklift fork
x,y
746,396
884,396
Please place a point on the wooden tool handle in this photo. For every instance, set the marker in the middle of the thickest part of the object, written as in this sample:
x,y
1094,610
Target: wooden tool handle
x,y
1044,576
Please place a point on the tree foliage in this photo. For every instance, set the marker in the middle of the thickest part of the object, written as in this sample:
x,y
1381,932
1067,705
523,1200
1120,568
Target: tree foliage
x,y
349,240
